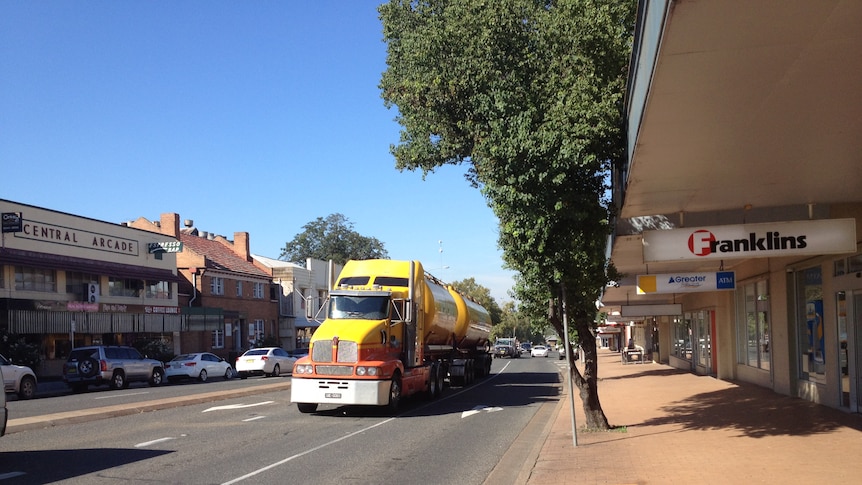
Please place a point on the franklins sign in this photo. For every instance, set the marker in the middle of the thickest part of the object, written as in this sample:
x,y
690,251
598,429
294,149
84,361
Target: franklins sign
x,y
823,236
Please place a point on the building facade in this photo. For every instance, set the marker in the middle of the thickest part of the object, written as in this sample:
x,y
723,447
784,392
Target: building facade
x,y
301,287
230,304
740,201
67,281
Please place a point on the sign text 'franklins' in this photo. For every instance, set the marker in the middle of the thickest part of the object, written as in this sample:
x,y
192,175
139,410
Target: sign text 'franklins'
x,y
822,236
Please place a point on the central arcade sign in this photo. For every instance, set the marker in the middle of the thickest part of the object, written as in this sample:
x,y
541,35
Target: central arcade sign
x,y
823,236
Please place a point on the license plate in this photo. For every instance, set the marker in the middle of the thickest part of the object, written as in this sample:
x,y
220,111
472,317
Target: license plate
x,y
249,360
333,395
71,370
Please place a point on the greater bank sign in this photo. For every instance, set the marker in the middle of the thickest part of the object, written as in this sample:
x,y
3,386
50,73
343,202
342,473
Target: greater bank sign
x,y
823,236
686,282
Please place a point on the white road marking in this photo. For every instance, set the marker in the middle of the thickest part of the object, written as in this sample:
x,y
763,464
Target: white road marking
x,y
4,476
148,443
113,395
306,452
324,445
237,406
478,409
253,419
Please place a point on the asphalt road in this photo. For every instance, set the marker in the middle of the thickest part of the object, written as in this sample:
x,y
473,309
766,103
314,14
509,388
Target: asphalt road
x,y
457,439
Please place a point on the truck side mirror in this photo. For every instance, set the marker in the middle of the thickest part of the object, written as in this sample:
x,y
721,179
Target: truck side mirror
x,y
408,311
309,311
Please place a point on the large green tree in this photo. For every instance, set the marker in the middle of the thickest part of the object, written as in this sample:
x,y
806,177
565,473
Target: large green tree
x,y
528,94
332,238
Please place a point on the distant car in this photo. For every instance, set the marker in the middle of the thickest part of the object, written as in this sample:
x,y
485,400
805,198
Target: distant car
x,y
200,366
562,350
18,379
539,351
525,347
114,365
266,361
501,351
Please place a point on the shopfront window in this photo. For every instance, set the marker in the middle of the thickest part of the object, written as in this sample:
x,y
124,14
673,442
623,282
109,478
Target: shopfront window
x,y
811,342
125,287
701,322
682,338
160,290
35,279
77,283
753,325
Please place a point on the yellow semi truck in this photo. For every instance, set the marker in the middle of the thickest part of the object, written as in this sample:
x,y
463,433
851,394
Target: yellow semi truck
x,y
391,331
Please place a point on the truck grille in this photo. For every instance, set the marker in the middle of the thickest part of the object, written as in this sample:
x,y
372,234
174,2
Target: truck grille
x,y
347,351
334,370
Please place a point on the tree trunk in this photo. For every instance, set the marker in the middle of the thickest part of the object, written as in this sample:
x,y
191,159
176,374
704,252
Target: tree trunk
x,y
587,383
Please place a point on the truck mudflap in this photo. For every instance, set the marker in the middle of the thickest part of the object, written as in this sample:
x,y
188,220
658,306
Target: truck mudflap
x,y
339,391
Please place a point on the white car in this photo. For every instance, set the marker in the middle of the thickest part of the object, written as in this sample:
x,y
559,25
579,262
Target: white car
x,y
18,379
200,366
267,361
539,351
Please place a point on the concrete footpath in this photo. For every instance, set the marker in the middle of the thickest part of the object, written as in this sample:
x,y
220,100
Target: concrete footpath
x,y
677,427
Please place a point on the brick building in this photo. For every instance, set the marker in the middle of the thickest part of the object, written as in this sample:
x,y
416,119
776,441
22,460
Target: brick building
x,y
230,303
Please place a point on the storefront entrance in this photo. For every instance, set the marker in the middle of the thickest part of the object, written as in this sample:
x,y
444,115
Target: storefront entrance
x,y
849,304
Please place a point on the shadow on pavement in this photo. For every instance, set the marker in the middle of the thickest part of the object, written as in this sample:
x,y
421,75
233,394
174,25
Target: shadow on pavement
x,y
754,412
54,465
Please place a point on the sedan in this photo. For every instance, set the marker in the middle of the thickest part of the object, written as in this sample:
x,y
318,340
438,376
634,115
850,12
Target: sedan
x,y
198,366
266,361
18,379
539,351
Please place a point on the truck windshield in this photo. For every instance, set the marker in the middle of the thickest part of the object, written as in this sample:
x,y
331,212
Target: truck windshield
x,y
361,307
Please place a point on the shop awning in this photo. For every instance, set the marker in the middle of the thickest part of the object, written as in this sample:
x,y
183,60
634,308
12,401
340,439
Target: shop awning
x,y
68,263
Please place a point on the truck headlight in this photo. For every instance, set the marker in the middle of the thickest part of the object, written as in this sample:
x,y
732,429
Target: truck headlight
x,y
367,371
303,369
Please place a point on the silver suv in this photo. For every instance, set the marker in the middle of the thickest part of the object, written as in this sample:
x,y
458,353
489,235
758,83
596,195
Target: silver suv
x,y
113,365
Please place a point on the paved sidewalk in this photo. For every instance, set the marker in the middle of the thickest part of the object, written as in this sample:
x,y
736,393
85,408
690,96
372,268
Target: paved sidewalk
x,y
682,428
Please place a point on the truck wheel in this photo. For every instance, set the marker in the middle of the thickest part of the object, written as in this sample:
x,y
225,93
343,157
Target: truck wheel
x,y
306,407
394,394
433,384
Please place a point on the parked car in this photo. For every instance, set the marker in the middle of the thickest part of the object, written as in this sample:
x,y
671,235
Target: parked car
x,y
200,366
18,379
116,366
266,361
539,351
562,350
501,350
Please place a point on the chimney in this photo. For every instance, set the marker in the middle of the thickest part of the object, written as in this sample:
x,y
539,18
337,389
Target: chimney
x,y
240,245
170,224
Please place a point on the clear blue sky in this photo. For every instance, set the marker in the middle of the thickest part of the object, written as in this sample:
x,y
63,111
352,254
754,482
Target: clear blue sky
x,y
242,116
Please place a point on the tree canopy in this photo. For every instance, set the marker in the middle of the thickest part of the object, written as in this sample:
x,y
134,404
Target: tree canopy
x,y
332,238
529,95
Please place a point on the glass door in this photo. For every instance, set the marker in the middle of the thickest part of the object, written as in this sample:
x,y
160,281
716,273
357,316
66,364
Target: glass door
x,y
849,311
854,353
843,348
